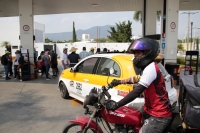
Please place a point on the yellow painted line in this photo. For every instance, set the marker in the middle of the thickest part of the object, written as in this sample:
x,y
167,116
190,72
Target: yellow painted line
x,y
75,102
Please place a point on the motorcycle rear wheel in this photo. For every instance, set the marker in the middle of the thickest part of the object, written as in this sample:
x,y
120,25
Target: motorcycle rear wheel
x,y
76,128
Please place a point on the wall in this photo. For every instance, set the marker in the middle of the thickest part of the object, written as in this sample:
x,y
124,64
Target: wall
x,y
9,31
39,32
59,46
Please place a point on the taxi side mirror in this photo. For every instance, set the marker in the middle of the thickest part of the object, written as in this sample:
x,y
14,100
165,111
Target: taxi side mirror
x,y
71,69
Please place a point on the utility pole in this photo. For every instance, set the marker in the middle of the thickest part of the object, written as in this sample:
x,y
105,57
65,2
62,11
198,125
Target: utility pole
x,y
188,26
191,36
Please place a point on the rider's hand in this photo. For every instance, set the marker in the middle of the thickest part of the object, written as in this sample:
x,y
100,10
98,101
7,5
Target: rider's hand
x,y
111,105
115,82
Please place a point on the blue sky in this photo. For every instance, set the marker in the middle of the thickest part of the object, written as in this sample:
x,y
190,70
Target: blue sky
x,y
63,22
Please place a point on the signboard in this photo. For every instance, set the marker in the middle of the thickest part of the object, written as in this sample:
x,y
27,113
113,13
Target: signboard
x,y
164,17
26,28
173,25
163,35
163,40
24,51
163,45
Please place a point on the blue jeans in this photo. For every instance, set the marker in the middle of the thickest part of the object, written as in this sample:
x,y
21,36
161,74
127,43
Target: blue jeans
x,y
151,124
16,74
155,124
47,66
7,69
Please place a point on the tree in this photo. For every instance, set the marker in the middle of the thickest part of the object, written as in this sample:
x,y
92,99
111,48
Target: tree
x,y
122,33
138,16
101,40
47,40
74,33
180,41
197,43
180,47
7,45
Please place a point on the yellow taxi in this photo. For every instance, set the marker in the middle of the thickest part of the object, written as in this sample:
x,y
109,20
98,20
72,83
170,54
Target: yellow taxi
x,y
93,71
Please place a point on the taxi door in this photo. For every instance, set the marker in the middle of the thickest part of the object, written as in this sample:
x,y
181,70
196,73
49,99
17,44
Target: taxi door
x,y
82,77
103,77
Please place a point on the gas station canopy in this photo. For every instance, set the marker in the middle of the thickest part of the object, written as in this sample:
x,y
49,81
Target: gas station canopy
x,y
10,8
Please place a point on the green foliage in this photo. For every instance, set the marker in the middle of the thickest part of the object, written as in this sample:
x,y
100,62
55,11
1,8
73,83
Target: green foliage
x,y
60,41
138,16
6,44
123,33
70,41
197,42
180,41
47,40
74,33
181,60
180,47
101,40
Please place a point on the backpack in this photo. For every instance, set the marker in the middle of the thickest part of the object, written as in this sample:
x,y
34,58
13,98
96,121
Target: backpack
x,y
39,65
21,60
4,60
189,100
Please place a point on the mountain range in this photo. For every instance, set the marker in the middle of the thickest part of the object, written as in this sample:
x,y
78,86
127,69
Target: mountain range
x,y
102,33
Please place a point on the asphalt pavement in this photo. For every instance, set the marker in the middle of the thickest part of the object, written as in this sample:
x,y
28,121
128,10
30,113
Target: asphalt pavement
x,y
34,106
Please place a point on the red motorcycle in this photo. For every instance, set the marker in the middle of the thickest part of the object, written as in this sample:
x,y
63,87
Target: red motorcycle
x,y
124,119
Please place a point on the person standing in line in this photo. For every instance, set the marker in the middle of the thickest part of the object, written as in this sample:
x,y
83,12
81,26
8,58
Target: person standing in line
x,y
64,58
35,57
91,51
54,63
16,64
5,60
83,54
105,50
47,63
73,58
98,51
41,61
11,64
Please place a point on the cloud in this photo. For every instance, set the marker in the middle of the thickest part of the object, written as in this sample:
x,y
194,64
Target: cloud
x,y
84,18
124,19
99,15
9,19
64,20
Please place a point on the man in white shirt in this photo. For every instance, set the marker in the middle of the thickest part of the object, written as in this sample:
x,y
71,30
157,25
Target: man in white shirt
x,y
64,58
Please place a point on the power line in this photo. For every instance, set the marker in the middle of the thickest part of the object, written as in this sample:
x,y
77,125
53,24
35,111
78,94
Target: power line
x,y
188,25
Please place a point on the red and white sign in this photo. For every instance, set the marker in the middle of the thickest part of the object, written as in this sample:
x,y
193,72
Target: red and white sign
x,y
173,25
26,28
163,35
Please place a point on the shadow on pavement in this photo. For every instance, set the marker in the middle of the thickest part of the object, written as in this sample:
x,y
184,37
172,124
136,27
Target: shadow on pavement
x,y
29,111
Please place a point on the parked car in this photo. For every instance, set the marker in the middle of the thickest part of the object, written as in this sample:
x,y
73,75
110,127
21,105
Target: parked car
x,y
93,71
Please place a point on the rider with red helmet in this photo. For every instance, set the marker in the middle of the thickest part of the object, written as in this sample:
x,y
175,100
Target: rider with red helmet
x,y
157,109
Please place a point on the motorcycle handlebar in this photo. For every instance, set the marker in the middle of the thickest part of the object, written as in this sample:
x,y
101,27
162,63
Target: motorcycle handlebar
x,y
105,90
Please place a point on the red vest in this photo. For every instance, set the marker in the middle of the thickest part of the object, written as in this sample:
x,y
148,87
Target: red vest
x,y
156,97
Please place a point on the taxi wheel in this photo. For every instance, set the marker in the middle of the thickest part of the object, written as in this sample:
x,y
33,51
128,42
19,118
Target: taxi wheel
x,y
63,90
